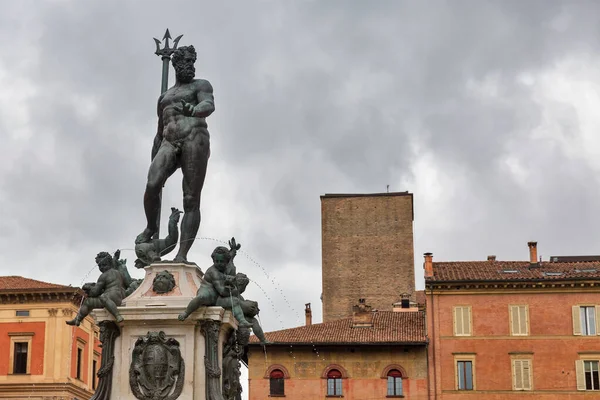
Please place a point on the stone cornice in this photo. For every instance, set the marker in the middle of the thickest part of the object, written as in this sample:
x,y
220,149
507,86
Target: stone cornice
x,y
504,286
71,295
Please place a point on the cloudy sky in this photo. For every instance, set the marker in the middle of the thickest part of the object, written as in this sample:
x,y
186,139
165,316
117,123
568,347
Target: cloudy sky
x,y
486,111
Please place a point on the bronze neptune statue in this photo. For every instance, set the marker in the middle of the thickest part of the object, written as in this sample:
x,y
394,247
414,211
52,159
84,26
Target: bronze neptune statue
x,y
182,141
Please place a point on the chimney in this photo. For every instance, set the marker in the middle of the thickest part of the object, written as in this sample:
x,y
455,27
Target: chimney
x,y
428,265
308,313
404,304
532,252
492,258
362,316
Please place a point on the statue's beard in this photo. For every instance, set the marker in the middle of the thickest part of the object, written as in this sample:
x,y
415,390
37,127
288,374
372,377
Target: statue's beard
x,y
185,74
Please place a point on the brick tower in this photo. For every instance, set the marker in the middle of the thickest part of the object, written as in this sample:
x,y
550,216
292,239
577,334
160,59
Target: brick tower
x,y
367,250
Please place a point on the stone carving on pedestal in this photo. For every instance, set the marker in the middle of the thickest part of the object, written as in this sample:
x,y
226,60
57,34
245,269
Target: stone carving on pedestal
x,y
157,370
109,331
233,350
210,329
163,282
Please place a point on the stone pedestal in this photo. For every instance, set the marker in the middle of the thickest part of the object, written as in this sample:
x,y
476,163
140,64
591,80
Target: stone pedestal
x,y
147,311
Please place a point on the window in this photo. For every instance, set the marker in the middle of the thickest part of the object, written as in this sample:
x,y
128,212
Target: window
x,y
94,372
587,374
521,374
21,350
394,383
519,320
592,381
465,375
79,363
587,316
22,313
586,320
334,383
276,383
462,321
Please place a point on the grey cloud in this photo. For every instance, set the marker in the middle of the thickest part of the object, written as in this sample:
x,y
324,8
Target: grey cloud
x,y
312,98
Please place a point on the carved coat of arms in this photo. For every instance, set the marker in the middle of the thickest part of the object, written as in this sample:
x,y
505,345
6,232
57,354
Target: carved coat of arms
x,y
157,369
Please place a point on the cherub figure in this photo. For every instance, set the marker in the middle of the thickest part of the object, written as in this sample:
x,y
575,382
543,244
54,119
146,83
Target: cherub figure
x,y
249,307
108,292
216,283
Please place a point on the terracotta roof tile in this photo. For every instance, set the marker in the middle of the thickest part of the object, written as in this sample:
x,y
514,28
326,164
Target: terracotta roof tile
x,y
513,271
12,283
388,327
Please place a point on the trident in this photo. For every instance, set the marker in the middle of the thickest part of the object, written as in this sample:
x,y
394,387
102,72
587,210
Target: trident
x,y
165,54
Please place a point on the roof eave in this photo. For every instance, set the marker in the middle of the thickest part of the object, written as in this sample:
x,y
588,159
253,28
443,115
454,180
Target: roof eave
x,y
493,281
412,343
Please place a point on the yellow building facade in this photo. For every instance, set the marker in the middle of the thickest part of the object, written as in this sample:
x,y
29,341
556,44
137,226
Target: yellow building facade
x,y
41,357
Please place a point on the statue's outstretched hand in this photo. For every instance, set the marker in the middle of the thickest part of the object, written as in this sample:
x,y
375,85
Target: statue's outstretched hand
x,y
175,213
233,245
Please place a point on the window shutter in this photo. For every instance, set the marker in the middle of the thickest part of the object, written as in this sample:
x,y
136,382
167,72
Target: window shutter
x,y
513,320
579,372
518,372
576,321
458,325
523,320
467,320
597,320
526,374
526,312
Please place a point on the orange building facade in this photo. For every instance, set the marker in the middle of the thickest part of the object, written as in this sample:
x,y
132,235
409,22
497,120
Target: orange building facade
x,y
40,356
518,329
372,355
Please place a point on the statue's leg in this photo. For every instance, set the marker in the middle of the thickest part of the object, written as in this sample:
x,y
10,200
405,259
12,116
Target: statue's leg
x,y
111,307
194,160
238,313
257,329
161,168
206,297
88,305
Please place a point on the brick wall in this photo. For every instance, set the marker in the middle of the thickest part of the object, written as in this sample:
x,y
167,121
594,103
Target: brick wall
x,y
363,368
367,251
550,344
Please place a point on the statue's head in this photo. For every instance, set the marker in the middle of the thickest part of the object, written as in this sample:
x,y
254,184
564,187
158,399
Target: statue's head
x,y
241,281
104,261
163,282
183,61
221,257
249,308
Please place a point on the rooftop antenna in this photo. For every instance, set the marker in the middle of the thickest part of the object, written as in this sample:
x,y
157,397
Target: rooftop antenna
x,y
388,188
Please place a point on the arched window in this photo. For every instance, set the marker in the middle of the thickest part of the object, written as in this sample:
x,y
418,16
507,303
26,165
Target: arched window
x,y
276,382
394,383
334,383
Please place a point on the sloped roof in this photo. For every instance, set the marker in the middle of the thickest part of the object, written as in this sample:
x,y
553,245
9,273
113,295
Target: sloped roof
x,y
420,297
459,271
12,283
388,327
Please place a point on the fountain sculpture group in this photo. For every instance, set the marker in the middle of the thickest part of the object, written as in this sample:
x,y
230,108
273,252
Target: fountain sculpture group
x,y
178,333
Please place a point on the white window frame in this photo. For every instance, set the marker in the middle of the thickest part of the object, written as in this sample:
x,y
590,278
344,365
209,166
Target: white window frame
x,y
519,313
580,371
577,321
465,357
459,321
522,373
81,344
20,337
